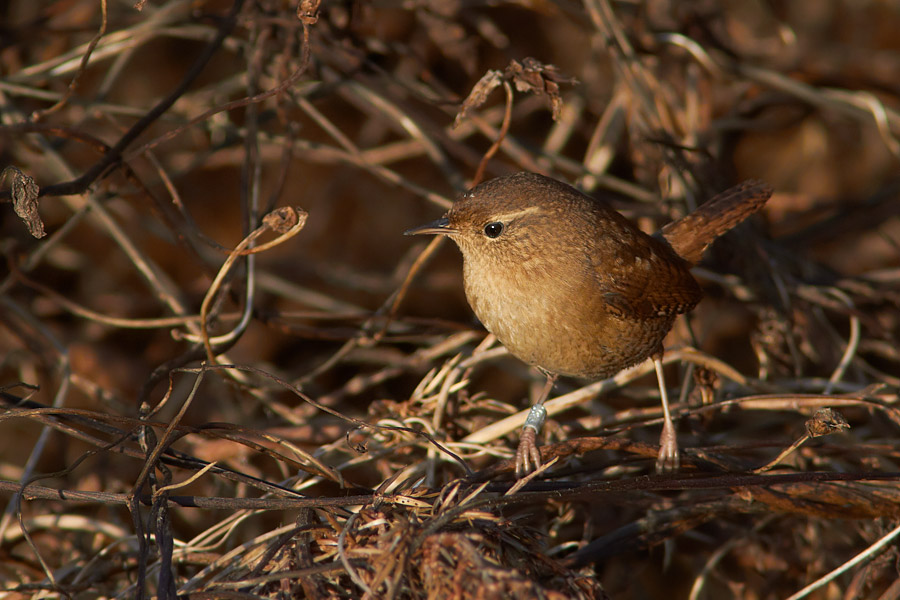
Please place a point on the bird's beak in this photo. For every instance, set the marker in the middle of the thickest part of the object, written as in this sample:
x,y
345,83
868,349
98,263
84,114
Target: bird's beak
x,y
439,227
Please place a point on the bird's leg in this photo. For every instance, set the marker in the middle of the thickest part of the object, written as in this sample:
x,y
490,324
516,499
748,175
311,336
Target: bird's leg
x,y
528,457
668,459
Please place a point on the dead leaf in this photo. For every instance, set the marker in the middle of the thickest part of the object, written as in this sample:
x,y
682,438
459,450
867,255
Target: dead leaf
x,y
480,92
24,192
530,75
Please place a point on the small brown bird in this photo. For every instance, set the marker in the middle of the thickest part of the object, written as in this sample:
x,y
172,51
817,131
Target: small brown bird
x,y
572,287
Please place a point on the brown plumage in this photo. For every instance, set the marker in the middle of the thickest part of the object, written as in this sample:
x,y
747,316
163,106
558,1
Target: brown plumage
x,y
568,284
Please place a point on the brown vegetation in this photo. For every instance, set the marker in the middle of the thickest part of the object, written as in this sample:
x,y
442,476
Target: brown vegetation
x,y
226,374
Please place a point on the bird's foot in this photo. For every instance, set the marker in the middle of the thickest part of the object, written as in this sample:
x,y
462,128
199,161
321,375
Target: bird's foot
x,y
668,460
528,456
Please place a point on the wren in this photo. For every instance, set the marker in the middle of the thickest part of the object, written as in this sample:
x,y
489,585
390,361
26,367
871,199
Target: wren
x,y
572,287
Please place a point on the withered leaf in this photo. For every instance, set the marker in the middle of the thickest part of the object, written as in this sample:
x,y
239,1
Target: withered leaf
x,y
308,11
480,92
826,421
530,75
533,76
24,192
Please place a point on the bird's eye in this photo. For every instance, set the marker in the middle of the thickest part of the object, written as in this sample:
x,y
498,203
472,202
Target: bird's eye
x,y
493,230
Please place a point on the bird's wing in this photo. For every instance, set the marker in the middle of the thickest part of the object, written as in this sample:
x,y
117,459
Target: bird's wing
x,y
643,279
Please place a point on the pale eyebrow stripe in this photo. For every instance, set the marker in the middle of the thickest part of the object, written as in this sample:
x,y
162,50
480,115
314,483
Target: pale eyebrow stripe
x,y
519,213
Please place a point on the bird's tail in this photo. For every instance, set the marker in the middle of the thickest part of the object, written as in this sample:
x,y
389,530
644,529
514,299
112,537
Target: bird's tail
x,y
690,235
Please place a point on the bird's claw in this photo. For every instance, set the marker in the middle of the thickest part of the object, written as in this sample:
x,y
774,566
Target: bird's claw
x,y
528,455
668,460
